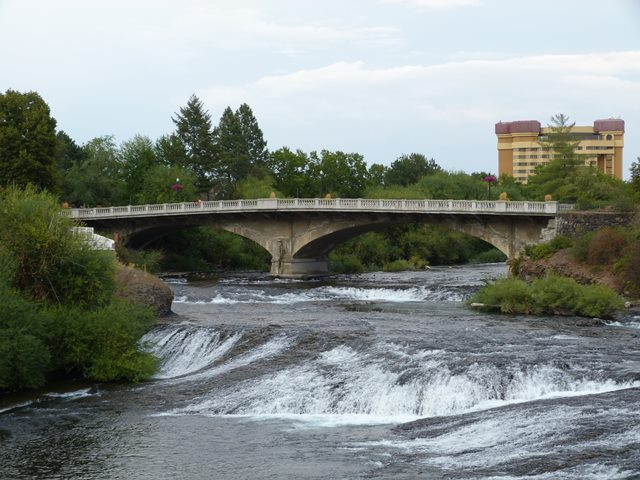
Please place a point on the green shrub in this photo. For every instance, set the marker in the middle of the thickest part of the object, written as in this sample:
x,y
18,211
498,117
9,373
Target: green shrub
x,y
555,294
549,295
345,263
598,301
510,295
24,355
538,252
560,243
103,345
54,264
399,265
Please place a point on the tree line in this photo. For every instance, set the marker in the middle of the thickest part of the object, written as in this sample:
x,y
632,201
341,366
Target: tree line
x,y
200,160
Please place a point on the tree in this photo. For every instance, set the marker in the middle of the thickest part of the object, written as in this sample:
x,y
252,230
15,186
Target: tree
x,y
338,173
193,129
290,173
137,157
561,171
562,144
241,148
98,179
68,153
252,134
27,141
408,169
233,153
167,184
170,150
635,175
376,175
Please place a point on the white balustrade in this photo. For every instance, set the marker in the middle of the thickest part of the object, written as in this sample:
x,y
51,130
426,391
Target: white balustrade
x,y
313,204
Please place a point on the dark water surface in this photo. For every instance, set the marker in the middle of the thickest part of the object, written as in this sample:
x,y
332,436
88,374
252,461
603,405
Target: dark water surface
x,y
373,376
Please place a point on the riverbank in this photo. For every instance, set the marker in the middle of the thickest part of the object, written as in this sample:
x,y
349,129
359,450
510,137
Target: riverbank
x,y
138,286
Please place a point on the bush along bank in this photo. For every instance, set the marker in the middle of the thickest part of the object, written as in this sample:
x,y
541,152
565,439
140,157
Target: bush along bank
x,y
60,316
583,276
551,295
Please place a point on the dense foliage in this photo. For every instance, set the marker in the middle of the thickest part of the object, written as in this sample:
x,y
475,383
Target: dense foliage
x,y
28,142
550,295
56,297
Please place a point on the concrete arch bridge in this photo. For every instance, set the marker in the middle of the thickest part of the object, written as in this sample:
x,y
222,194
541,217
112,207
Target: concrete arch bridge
x,y
299,233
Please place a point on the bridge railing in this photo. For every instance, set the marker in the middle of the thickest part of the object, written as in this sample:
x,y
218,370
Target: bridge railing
x,y
311,204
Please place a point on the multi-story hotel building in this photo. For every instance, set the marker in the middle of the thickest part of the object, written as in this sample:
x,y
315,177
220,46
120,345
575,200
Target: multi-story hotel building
x,y
521,146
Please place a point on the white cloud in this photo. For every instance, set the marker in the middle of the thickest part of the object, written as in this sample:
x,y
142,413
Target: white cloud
x,y
366,107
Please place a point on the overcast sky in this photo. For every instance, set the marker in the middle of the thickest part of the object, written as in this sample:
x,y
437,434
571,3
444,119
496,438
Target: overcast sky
x,y
377,77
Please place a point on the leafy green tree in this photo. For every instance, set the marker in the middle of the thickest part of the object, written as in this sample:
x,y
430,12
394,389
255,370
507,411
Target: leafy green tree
x,y
194,130
98,179
137,158
166,184
68,152
458,185
253,187
27,141
341,174
290,173
376,175
635,175
408,169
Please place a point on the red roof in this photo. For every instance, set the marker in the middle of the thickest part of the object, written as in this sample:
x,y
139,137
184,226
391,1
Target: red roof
x,y
608,125
519,126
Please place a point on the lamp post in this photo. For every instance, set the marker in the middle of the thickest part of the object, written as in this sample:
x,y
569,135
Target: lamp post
x,y
321,174
490,179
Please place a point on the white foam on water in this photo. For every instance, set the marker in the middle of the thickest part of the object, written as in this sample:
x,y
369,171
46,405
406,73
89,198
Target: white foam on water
x,y
583,472
326,294
85,392
17,406
505,436
269,349
344,382
624,324
187,349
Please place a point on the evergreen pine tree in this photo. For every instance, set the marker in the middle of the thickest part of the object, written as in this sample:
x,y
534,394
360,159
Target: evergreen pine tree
x,y
193,129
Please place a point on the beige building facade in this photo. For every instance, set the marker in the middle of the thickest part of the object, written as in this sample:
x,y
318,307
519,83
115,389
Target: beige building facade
x,y
521,146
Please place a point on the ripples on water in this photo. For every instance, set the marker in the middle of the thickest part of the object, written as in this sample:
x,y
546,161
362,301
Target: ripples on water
x,y
373,376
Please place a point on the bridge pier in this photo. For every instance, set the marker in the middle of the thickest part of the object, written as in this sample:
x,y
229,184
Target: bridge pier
x,y
299,267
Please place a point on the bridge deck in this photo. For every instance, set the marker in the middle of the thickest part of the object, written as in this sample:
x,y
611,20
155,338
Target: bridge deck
x,y
319,204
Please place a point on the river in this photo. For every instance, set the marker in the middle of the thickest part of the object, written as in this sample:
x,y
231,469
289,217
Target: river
x,y
379,375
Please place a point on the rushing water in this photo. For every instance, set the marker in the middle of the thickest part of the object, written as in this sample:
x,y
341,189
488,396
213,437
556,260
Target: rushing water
x,y
371,376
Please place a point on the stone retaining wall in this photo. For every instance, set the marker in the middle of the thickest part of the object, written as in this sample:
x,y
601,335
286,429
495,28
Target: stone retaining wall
x,y
571,224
